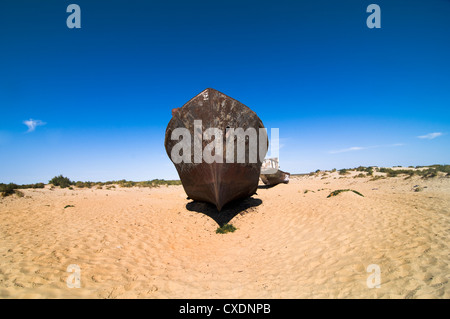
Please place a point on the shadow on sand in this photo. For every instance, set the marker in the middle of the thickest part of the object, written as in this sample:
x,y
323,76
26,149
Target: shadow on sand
x,y
229,211
265,186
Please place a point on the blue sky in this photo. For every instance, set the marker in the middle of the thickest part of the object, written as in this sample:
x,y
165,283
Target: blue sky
x,y
342,94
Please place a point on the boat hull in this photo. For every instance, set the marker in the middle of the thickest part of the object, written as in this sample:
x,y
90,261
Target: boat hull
x,y
218,182
276,178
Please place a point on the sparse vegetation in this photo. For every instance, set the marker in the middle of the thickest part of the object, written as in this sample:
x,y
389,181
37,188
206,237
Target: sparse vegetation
x,y
7,189
343,171
338,191
227,228
377,177
152,183
79,184
61,181
430,171
369,170
395,172
64,182
11,188
34,186
19,193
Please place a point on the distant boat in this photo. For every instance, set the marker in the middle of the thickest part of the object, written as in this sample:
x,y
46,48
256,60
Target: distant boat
x,y
271,175
217,182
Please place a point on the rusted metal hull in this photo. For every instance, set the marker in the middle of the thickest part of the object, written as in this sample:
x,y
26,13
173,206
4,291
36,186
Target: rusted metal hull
x,y
276,178
221,181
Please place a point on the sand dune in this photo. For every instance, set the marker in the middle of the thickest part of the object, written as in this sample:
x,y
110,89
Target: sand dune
x,y
154,243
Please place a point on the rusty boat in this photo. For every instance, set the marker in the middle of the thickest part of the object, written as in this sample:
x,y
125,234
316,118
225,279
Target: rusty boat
x,y
271,175
221,181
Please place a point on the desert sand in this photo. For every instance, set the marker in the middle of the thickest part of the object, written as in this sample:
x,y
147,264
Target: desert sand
x,y
154,243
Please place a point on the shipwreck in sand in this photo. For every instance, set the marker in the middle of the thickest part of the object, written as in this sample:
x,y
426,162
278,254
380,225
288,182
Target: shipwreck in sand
x,y
271,175
198,140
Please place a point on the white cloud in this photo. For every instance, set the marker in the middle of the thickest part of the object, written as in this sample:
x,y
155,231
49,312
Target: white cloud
x,y
359,148
430,136
354,148
32,124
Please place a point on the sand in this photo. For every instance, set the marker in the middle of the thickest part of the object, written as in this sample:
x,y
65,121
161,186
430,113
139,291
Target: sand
x,y
154,243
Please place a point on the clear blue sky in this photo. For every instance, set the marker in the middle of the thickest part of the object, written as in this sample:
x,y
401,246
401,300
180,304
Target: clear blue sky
x,y
342,94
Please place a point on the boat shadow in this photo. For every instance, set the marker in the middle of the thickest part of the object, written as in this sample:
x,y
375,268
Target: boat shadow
x,y
228,212
265,186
